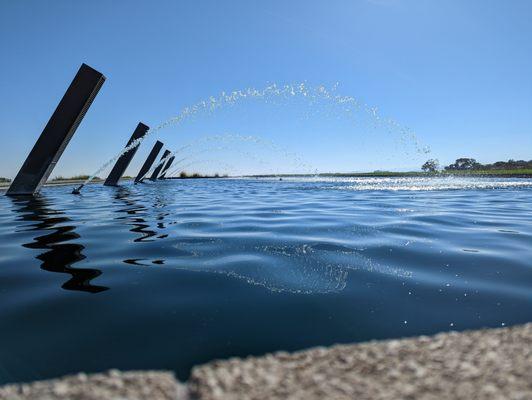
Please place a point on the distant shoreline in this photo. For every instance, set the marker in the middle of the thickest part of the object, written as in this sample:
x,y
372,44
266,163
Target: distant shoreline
x,y
4,186
390,174
376,174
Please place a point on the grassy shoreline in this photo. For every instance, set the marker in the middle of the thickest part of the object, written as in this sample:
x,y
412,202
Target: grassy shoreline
x,y
63,182
509,173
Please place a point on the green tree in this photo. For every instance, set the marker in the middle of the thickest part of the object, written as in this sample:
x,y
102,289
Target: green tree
x,y
464,164
431,165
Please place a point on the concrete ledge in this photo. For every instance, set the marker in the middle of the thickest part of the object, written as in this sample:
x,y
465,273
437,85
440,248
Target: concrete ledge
x,y
484,364
112,385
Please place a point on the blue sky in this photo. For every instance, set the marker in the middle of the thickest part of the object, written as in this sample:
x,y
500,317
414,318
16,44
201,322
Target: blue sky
x,y
458,73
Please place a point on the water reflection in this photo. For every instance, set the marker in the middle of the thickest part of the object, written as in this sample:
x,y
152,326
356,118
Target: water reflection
x,y
59,256
134,213
133,216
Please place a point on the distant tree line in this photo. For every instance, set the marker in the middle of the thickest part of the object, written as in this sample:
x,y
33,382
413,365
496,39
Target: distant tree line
x,y
60,178
4,180
185,175
470,164
462,164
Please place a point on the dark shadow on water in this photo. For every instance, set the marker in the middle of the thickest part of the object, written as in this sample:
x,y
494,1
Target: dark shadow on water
x,y
59,256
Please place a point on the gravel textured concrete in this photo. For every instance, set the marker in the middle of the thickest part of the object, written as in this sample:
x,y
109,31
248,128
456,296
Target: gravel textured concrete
x,y
487,364
112,385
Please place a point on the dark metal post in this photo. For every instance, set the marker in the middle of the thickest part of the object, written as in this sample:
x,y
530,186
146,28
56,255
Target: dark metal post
x,y
149,161
166,167
123,162
159,167
57,132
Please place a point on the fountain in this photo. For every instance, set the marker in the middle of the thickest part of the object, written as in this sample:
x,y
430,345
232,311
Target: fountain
x,y
149,161
270,94
157,170
57,133
165,169
123,162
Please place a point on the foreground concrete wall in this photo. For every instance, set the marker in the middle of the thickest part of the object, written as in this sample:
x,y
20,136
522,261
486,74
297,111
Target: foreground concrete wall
x,y
487,364
494,364
112,385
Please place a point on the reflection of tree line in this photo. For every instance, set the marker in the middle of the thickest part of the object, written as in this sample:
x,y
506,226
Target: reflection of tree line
x,y
60,256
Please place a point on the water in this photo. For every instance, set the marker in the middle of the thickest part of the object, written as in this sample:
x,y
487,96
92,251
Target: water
x,y
177,273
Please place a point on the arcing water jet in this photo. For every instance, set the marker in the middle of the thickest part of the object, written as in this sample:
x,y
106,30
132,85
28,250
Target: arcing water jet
x,y
272,92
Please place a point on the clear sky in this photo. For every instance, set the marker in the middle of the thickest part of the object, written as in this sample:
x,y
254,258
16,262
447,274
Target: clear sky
x,y
458,73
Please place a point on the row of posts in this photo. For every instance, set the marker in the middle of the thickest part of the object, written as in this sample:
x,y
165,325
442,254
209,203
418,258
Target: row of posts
x,y
61,127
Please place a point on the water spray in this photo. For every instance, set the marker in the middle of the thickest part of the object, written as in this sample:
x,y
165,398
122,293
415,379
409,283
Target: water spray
x,y
77,190
271,92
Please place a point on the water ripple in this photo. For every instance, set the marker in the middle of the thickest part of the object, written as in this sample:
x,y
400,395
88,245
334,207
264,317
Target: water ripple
x,y
187,271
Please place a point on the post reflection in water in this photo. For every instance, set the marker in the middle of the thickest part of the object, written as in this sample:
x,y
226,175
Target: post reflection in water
x,y
133,215
59,256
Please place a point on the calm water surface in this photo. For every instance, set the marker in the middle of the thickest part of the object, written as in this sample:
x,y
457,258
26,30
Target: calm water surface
x,y
177,273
